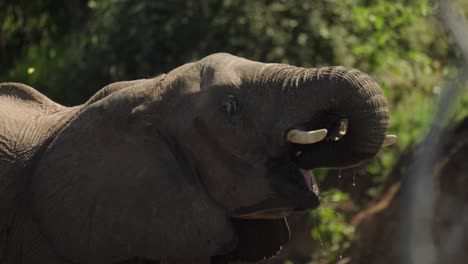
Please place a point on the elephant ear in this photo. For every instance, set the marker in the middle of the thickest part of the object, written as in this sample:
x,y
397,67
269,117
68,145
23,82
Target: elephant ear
x,y
110,187
259,239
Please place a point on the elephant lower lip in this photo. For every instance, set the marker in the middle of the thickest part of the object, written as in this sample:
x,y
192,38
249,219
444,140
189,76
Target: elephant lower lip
x,y
308,178
309,181
267,214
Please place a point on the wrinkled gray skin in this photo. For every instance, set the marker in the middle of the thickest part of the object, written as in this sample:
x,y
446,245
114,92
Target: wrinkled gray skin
x,y
160,168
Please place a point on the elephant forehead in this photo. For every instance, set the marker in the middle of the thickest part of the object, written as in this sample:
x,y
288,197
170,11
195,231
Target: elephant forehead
x,y
244,70
223,69
215,77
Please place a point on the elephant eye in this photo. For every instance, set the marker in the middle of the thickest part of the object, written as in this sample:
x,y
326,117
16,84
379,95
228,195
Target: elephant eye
x,y
230,105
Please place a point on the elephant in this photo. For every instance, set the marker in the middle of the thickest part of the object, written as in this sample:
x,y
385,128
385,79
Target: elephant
x,y
199,165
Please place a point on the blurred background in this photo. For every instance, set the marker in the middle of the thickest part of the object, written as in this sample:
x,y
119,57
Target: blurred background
x,y
70,49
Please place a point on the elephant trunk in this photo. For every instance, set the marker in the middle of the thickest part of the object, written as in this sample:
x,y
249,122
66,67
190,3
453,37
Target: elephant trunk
x,y
331,96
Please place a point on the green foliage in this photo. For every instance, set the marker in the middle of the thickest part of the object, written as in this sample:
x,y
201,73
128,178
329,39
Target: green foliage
x,y
460,111
26,23
330,228
35,42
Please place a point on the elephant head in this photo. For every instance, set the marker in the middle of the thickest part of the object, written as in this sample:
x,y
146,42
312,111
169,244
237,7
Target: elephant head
x,y
206,160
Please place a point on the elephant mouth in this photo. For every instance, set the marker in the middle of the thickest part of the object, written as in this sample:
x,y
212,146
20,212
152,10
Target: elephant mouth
x,y
296,188
309,180
298,193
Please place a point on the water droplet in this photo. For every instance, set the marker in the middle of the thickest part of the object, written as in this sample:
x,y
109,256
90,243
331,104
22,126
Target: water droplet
x,y
339,174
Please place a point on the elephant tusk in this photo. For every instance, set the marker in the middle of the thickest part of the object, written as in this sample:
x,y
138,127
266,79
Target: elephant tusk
x,y
389,140
305,137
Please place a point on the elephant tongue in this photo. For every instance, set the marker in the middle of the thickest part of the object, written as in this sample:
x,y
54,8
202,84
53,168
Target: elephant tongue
x,y
308,179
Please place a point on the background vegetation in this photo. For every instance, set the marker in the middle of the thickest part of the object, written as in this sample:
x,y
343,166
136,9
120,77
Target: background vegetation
x,y
70,49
